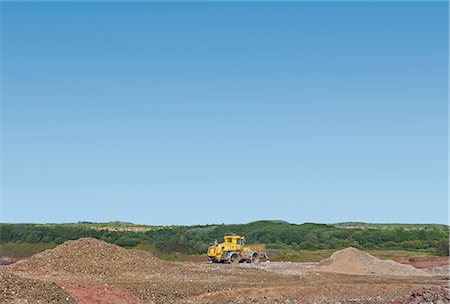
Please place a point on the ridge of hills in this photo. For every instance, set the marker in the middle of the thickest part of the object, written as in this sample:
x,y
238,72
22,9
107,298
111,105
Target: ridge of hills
x,y
277,235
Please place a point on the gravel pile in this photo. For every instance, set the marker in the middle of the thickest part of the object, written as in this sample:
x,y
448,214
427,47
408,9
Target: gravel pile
x,y
354,261
15,290
88,256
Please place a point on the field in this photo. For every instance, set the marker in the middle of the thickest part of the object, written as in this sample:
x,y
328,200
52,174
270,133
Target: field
x,y
92,271
309,263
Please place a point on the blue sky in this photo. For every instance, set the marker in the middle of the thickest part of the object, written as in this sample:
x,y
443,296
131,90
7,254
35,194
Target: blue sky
x,y
191,113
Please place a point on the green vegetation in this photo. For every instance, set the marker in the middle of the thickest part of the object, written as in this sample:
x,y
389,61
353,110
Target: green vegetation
x,y
442,248
117,224
54,233
359,225
21,250
287,241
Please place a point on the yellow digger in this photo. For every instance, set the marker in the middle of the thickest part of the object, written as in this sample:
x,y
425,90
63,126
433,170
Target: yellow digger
x,y
233,251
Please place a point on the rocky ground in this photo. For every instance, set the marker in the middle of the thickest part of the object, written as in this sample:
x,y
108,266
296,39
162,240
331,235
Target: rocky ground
x,y
435,294
92,271
15,289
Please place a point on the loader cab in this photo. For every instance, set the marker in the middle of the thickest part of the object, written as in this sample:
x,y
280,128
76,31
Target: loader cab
x,y
233,242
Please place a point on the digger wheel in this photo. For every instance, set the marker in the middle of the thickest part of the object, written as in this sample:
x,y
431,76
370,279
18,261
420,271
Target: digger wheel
x,y
234,259
255,258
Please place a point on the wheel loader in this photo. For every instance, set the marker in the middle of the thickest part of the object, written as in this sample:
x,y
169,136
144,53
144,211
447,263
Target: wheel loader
x,y
233,251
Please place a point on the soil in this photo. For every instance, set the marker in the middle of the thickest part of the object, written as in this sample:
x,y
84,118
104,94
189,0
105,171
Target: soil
x,y
426,295
6,260
425,262
92,271
15,289
286,268
439,270
100,294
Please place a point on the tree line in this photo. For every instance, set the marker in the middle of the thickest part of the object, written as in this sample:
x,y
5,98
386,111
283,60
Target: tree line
x,y
276,234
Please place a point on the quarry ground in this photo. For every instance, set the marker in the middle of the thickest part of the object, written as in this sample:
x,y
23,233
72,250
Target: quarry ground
x,y
91,271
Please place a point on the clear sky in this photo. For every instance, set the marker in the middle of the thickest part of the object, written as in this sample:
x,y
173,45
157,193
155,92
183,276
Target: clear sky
x,y
191,113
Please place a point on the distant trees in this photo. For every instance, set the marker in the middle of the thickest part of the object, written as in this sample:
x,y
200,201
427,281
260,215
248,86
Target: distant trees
x,y
305,236
127,241
442,248
196,239
30,233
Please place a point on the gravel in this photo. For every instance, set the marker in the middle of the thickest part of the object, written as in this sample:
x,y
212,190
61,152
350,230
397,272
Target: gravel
x,y
15,289
440,270
94,271
89,256
285,268
354,261
430,295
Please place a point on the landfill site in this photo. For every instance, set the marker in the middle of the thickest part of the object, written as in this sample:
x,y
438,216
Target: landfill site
x,y
92,271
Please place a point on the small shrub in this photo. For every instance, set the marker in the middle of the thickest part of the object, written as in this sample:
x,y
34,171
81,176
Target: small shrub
x,y
442,248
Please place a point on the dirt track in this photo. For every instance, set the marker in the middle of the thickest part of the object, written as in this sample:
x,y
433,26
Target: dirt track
x,y
91,271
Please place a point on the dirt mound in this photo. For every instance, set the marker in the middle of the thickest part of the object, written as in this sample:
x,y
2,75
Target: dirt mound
x,y
354,261
14,289
88,256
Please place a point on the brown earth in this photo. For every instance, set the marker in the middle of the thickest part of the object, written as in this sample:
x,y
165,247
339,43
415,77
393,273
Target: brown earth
x,y
329,293
100,294
425,262
15,289
6,260
426,295
92,271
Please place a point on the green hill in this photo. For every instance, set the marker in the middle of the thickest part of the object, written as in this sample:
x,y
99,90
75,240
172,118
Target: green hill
x,y
276,234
